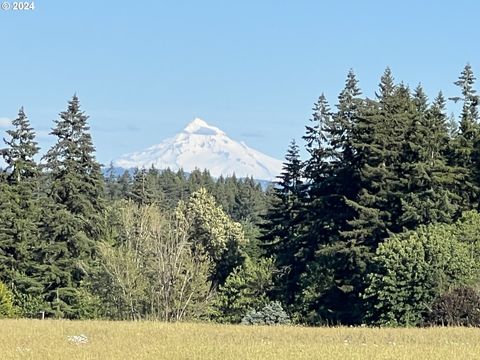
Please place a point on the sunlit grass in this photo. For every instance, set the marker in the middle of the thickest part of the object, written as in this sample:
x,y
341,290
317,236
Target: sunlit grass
x,y
49,339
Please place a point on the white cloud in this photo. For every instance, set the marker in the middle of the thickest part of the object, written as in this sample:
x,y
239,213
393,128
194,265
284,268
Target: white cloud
x,y
5,122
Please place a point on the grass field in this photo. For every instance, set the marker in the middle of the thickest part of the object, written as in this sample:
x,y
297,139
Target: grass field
x,y
49,339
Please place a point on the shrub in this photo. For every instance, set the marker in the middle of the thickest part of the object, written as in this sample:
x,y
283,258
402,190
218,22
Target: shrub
x,y
29,306
271,314
459,307
245,289
7,309
410,270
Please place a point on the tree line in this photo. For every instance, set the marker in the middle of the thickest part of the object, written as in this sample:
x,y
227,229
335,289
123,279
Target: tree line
x,y
378,225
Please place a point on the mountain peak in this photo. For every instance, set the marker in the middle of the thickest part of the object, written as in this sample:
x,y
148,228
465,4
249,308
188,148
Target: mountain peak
x,y
204,146
200,127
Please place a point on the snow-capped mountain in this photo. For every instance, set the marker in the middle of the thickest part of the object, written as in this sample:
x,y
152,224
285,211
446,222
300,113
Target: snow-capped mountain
x,y
202,146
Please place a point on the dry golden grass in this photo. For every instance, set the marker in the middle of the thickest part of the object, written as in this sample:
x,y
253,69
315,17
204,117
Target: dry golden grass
x,y
49,339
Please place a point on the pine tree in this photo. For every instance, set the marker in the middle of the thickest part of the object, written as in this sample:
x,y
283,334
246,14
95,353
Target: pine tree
x,y
145,188
19,207
320,187
282,225
174,187
124,185
329,281
112,185
352,211
348,107
73,215
21,150
428,181
249,201
377,140
465,147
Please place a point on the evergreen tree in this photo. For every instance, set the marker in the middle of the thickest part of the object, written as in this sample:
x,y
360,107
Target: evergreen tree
x,y
19,207
428,181
249,201
173,186
376,143
320,196
73,215
21,150
124,185
281,228
145,187
329,282
465,148
112,184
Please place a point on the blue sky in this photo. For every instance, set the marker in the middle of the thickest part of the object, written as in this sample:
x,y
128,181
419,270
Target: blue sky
x,y
144,69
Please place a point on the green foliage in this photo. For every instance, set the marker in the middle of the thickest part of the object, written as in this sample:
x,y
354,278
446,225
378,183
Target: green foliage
x,y
369,228
145,189
7,308
281,226
89,305
149,268
376,167
270,314
465,150
245,289
410,270
71,213
19,207
330,286
30,305
213,233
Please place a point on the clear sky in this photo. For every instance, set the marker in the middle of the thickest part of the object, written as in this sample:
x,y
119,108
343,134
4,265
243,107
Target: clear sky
x,y
144,69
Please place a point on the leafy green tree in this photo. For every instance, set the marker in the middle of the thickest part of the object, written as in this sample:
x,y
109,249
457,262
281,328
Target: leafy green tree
x,y
246,288
150,270
378,140
124,185
214,234
200,179
411,269
249,201
226,192
173,186
7,308
21,150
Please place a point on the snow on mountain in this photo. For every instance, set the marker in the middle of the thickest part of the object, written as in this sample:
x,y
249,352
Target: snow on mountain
x,y
202,146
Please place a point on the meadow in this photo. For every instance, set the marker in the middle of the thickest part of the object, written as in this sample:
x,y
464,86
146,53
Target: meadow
x,y
60,339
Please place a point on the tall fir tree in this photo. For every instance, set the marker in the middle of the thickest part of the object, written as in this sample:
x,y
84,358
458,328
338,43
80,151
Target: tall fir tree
x,y
282,226
428,181
465,154
73,215
329,280
112,184
145,187
376,142
19,209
